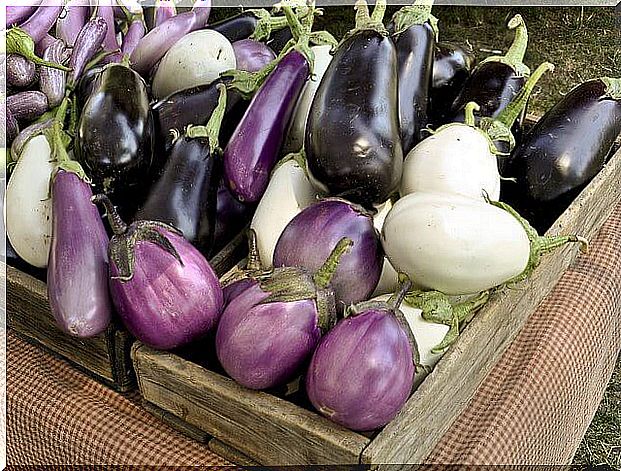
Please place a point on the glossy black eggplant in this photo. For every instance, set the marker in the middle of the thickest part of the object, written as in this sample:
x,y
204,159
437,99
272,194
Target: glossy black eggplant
x,y
184,196
414,31
114,138
452,65
353,142
497,80
231,217
240,26
86,84
279,40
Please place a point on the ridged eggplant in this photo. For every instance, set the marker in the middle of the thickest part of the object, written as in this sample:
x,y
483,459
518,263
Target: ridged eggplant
x,y
353,142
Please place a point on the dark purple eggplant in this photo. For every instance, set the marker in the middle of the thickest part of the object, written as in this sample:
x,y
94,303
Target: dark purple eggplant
x,y
114,138
269,330
12,128
184,196
86,84
17,14
26,106
452,66
496,81
279,40
414,30
52,81
358,155
256,23
231,217
42,20
72,20
251,55
307,239
87,43
20,72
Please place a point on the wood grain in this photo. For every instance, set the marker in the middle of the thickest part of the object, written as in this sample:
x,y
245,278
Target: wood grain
x,y
267,429
229,453
431,410
175,422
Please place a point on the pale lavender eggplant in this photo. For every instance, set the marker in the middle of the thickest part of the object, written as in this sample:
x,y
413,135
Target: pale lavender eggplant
x,y
20,72
86,45
164,9
254,148
252,55
16,14
28,105
44,43
362,372
307,239
202,8
135,32
71,23
12,128
52,81
42,20
77,273
25,134
110,43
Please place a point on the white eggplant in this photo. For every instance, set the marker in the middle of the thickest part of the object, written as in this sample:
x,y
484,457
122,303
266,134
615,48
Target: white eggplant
x,y
288,193
459,245
389,279
295,135
198,58
27,205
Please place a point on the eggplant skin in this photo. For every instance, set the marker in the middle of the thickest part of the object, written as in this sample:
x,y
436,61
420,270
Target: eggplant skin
x,y
569,145
352,141
237,27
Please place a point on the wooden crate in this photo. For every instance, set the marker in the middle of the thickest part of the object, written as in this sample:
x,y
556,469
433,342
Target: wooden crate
x,y
269,430
105,357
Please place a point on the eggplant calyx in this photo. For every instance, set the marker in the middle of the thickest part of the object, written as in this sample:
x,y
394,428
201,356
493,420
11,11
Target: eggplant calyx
x,y
254,258
416,14
298,157
20,42
123,244
211,131
323,276
613,87
514,57
267,23
323,38
366,22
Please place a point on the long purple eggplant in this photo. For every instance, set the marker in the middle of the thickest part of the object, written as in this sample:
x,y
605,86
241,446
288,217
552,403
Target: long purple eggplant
x,y
164,9
414,30
26,106
358,156
163,289
135,32
69,25
42,20
52,81
77,273
268,330
20,72
362,372
16,14
251,55
307,239
12,127
87,43
110,44
231,217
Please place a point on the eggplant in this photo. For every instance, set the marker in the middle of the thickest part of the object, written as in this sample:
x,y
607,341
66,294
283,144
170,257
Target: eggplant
x,y
44,43
269,330
20,72
362,372
306,240
231,217
165,292
452,65
358,156
88,41
27,106
86,85
42,20
251,55
414,30
135,32
70,24
184,196
26,134
279,40
496,81
77,270
11,126
16,14
114,138
20,42
256,23
105,11
164,9
52,81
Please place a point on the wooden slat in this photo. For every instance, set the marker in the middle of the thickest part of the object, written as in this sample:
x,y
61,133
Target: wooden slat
x,y
124,378
431,410
231,454
175,422
263,427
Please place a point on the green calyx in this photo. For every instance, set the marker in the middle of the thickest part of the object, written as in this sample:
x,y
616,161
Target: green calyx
x,y
539,245
121,249
211,130
366,21
515,55
416,14
613,87
299,158
20,42
323,276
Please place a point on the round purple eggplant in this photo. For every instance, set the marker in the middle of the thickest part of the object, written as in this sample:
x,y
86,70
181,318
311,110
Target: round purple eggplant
x,y
251,55
362,372
164,290
20,72
307,239
269,330
77,270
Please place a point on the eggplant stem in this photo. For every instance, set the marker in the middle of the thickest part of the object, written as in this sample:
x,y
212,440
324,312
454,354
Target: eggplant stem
x,y
397,298
517,51
416,14
299,158
212,129
364,21
469,119
613,87
549,243
323,276
254,259
116,223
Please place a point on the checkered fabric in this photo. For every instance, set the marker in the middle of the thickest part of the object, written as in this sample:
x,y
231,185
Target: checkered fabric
x,y
537,402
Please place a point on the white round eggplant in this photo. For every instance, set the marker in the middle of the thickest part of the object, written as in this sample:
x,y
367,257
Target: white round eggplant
x,y
454,244
455,160
389,279
295,135
288,193
27,203
198,58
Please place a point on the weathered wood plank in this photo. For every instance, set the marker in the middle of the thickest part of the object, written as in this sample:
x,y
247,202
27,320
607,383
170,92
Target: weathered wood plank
x,y
231,454
431,410
175,422
263,427
123,370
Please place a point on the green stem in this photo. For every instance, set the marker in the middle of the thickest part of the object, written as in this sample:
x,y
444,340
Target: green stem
x,y
465,310
116,223
397,298
364,21
546,244
416,14
613,87
469,119
254,259
379,11
323,276
212,129
19,42
517,51
299,158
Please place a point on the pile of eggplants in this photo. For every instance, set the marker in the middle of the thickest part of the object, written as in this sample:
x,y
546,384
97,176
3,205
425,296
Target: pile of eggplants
x,y
366,258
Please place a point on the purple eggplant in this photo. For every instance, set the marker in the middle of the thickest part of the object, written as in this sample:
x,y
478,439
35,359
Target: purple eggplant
x,y
12,128
19,42
105,10
26,106
71,22
307,239
358,156
163,289
20,72
77,273
279,40
269,330
231,217
44,43
87,43
251,55
184,196
16,14
24,136
135,32
414,30
52,81
362,372
256,23
164,9
42,20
